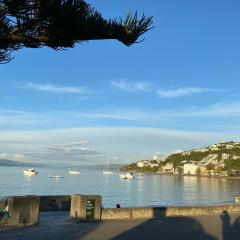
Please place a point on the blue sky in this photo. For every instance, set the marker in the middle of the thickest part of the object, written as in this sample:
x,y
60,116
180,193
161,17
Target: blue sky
x,y
176,90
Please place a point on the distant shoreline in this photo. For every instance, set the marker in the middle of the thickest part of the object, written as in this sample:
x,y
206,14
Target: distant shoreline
x,y
184,175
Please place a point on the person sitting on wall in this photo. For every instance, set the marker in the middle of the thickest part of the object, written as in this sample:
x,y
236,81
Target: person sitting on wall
x,y
118,206
4,214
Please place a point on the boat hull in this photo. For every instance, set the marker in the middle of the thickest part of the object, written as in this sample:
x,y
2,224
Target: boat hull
x,y
107,173
74,172
29,173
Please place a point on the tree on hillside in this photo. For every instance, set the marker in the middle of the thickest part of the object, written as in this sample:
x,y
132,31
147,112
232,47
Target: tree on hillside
x,y
60,24
210,166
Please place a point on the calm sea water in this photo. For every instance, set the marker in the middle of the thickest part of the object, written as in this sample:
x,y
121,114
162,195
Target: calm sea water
x,y
150,190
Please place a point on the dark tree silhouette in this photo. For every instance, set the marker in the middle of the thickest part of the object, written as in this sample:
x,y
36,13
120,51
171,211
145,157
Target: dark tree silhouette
x,y
60,24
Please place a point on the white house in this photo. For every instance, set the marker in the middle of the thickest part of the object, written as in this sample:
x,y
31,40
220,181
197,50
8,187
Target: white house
x,y
154,165
140,164
190,168
201,150
225,156
168,168
185,153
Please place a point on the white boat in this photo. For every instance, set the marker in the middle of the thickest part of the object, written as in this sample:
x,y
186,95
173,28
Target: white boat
x,y
126,176
74,172
30,172
107,171
55,176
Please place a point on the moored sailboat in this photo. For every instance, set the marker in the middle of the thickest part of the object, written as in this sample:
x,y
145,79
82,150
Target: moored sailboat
x,y
107,171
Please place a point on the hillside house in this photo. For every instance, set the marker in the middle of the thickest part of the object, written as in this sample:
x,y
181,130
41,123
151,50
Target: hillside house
x,y
229,146
168,168
235,157
201,150
190,168
225,156
141,164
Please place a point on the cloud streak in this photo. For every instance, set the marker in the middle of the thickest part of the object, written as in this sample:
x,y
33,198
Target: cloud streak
x,y
55,88
73,146
128,86
180,92
131,87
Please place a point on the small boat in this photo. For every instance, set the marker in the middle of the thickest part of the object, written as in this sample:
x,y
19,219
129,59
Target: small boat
x,y
55,176
126,176
74,172
30,172
107,171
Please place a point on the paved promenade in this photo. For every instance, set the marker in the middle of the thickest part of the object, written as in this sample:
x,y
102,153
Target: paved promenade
x,y
57,226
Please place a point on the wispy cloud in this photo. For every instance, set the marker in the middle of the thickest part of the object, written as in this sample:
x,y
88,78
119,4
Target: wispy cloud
x,y
179,92
220,109
73,146
56,88
215,110
119,115
17,118
131,86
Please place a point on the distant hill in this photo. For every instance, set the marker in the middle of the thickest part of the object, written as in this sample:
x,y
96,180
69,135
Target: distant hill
x,y
4,162
216,157
113,166
228,153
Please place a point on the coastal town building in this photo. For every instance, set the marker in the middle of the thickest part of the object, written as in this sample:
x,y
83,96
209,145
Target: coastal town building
x,y
201,150
186,153
168,168
229,146
235,157
214,148
202,161
148,163
141,164
225,156
190,168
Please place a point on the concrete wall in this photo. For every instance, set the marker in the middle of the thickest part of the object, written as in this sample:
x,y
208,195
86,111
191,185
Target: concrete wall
x,y
147,213
83,210
55,203
23,211
116,213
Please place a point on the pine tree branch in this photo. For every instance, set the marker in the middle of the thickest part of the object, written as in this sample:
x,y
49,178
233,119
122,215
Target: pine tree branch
x,y
61,24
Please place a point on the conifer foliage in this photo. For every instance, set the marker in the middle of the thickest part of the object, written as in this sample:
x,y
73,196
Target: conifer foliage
x,y
60,24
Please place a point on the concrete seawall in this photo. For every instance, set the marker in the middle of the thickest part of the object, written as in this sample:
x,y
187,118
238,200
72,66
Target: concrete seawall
x,y
19,211
156,212
24,210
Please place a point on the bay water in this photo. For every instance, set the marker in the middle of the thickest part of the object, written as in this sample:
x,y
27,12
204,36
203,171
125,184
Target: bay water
x,y
147,190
